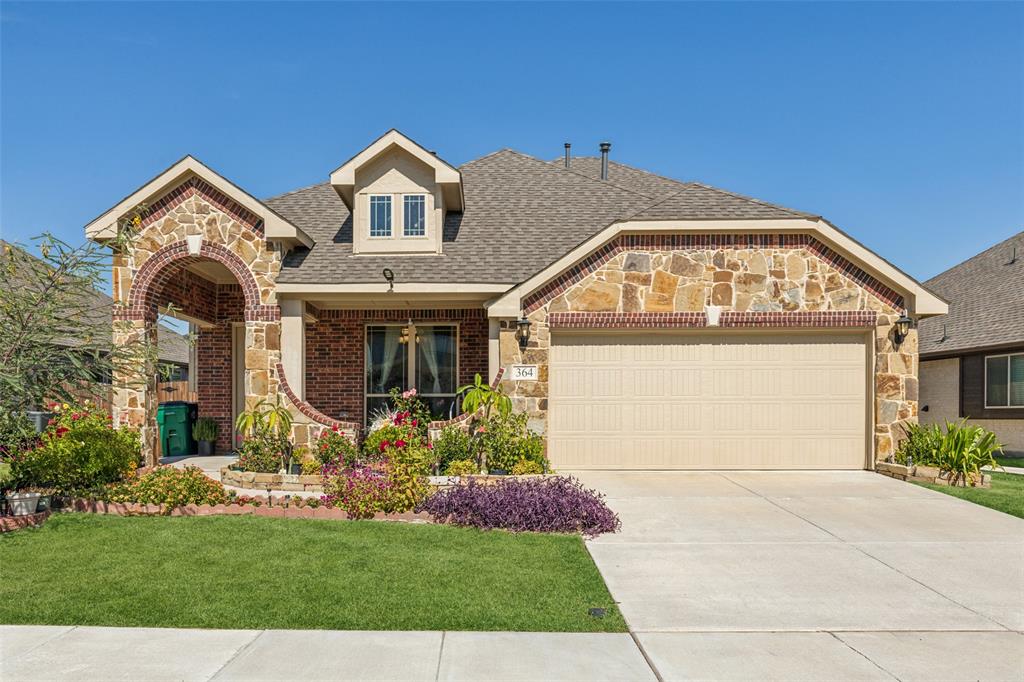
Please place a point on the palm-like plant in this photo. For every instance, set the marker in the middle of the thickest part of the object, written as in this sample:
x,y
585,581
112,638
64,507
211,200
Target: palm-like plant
x,y
270,423
479,394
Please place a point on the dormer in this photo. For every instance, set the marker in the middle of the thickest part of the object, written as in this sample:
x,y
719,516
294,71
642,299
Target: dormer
x,y
398,193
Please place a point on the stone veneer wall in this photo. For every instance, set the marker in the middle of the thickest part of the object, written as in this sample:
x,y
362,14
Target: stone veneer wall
x,y
648,280
151,273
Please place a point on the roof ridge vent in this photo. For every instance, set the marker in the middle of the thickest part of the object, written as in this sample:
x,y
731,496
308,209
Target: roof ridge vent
x,y
605,148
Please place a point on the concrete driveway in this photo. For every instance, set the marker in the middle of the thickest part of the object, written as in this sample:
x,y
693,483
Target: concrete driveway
x,y
852,575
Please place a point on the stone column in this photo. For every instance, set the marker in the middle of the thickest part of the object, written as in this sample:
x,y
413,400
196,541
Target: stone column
x,y
135,382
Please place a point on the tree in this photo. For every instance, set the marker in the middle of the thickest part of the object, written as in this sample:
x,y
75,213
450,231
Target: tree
x,y
55,326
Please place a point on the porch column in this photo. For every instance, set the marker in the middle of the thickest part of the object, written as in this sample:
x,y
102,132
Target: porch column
x,y
493,347
293,344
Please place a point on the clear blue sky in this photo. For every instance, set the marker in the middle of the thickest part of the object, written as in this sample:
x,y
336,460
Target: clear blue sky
x,y
901,123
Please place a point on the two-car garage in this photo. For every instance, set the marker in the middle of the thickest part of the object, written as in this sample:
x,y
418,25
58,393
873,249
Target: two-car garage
x,y
741,399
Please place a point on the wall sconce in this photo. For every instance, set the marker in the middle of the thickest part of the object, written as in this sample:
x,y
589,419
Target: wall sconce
x,y
389,277
523,331
901,328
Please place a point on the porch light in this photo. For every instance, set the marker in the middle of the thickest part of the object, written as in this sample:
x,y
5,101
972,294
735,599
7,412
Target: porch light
x,y
901,328
523,331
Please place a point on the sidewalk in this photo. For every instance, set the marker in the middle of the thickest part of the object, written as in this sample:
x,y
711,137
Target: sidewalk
x,y
34,653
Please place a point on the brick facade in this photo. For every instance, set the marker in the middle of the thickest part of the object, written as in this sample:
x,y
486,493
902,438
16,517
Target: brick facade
x,y
336,354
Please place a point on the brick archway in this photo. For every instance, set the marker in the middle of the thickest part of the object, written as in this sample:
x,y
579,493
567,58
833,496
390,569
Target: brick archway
x,y
169,260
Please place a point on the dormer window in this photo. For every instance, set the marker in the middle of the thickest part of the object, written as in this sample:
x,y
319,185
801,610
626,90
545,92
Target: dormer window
x,y
380,215
415,224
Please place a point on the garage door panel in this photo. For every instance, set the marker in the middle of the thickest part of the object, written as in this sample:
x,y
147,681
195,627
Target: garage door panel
x,y
707,401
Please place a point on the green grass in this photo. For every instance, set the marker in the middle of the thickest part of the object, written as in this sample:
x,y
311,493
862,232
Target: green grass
x,y
1010,461
1005,495
257,572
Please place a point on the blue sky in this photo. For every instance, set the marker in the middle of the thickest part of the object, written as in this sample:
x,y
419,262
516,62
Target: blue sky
x,y
901,123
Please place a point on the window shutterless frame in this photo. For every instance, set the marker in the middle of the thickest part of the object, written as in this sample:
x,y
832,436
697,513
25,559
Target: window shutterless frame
x,y
1011,360
418,205
381,219
410,373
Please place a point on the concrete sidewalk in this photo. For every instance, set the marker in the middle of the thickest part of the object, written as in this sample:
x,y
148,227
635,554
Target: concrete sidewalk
x,y
34,653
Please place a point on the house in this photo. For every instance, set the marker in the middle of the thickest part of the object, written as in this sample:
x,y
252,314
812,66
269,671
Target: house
x,y
972,359
172,347
639,321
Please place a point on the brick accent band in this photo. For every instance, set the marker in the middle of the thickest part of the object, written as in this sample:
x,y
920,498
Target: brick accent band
x,y
168,260
815,319
579,320
194,186
307,409
676,242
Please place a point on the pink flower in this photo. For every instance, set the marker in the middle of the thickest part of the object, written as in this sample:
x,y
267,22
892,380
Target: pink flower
x,y
399,443
415,422
334,428
411,393
430,446
383,445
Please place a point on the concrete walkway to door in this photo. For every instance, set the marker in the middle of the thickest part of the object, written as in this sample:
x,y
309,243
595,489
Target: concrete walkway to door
x,y
816,575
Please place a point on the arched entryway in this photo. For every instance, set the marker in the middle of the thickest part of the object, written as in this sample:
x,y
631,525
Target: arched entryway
x,y
236,339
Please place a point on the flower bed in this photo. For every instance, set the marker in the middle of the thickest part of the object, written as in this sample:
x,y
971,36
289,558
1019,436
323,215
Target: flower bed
x,y
9,523
256,506
924,474
255,481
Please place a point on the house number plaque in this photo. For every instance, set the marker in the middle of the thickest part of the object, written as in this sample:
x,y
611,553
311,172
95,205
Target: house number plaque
x,y
524,373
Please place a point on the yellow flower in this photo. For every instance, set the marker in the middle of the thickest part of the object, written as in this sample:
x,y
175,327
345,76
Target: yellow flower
x,y
64,406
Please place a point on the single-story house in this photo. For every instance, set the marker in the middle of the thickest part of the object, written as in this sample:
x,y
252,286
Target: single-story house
x,y
639,321
972,359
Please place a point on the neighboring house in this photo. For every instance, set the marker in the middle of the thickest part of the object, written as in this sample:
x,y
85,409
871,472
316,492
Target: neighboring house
x,y
172,347
639,321
972,359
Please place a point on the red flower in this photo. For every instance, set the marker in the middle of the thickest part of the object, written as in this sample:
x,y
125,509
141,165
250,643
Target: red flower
x,y
430,446
415,422
334,428
383,445
399,443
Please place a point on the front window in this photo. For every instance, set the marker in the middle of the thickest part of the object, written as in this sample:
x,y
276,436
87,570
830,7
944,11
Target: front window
x,y
415,215
380,215
1004,380
405,356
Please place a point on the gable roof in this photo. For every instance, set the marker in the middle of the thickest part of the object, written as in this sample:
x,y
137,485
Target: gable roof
x,y
986,302
521,214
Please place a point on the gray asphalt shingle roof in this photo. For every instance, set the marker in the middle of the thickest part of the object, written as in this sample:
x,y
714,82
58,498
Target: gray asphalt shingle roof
x,y
521,214
986,302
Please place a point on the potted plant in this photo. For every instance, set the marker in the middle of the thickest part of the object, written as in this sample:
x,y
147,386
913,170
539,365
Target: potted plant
x,y
23,503
45,502
205,433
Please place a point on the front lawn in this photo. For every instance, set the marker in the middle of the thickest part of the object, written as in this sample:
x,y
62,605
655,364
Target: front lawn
x,y
1006,493
256,572
1005,461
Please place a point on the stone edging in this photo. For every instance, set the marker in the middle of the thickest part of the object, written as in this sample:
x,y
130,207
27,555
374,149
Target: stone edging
x,y
277,510
11,523
921,474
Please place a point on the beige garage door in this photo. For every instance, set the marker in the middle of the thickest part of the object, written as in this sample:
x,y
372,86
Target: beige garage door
x,y
699,401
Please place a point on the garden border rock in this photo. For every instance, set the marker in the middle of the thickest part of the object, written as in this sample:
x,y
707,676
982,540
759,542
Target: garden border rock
x,y
12,523
923,474
279,509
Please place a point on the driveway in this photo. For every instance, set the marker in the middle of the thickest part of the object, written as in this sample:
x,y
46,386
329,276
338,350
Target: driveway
x,y
849,575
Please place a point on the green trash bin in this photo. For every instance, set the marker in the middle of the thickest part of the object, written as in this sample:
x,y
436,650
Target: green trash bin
x,y
174,421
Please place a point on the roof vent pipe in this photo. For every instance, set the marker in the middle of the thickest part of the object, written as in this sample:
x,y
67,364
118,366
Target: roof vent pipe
x,y
605,148
568,159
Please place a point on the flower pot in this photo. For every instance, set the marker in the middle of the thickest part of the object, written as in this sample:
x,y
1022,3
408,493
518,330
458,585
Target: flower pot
x,y
44,504
207,448
23,504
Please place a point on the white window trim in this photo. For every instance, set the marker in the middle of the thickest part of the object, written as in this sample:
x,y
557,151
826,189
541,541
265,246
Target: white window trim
x,y
410,360
1009,363
406,235
369,217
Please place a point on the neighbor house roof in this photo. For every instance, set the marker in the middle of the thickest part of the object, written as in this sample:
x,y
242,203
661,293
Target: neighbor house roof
x,y
521,214
986,302
171,346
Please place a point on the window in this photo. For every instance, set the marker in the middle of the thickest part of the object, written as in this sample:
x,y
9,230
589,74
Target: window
x,y
415,215
380,215
1004,380
404,356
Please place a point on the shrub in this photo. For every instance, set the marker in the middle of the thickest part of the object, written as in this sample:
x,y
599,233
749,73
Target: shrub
x,y
462,467
386,433
16,434
205,428
415,410
170,487
361,491
960,452
525,466
334,447
263,455
453,444
506,441
551,505
80,450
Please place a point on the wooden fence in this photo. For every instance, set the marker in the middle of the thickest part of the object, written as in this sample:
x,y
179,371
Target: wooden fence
x,y
175,390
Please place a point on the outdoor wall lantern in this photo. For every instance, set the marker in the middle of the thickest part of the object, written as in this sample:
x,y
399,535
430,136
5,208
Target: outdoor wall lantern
x,y
389,277
901,329
523,331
